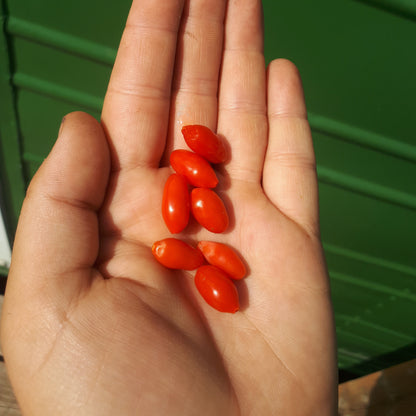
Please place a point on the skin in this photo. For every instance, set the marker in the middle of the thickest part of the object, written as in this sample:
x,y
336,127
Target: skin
x,y
92,324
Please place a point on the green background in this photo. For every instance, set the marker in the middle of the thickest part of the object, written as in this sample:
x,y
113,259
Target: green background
x,y
358,64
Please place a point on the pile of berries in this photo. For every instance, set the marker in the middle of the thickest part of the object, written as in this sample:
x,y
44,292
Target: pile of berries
x,y
193,169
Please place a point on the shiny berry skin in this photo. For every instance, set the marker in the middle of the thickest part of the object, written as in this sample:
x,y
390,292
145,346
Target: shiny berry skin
x,y
209,210
205,142
223,257
217,289
176,254
195,168
176,203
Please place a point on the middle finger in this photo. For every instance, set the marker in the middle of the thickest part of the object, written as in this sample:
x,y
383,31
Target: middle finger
x,y
197,66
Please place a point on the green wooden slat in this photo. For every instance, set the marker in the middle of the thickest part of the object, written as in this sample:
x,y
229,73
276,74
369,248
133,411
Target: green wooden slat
x,y
404,8
13,181
361,354
43,87
370,189
72,44
369,285
354,256
362,137
59,67
383,339
96,21
368,225
39,137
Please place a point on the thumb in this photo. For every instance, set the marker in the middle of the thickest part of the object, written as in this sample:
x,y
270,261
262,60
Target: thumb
x,y
56,241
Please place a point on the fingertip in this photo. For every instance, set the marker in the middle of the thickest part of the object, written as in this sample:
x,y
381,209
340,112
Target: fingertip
x,y
78,165
283,64
80,120
285,90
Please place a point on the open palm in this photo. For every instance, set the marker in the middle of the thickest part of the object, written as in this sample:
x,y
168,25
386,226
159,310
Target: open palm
x,y
92,323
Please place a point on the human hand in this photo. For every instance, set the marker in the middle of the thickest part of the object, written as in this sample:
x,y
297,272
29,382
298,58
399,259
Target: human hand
x,y
92,324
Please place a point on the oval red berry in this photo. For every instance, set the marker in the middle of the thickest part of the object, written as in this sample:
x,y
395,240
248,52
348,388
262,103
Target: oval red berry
x,y
176,254
194,167
217,289
209,210
176,203
205,142
223,257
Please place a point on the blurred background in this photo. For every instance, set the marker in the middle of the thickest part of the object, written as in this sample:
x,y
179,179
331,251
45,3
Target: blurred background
x,y
358,64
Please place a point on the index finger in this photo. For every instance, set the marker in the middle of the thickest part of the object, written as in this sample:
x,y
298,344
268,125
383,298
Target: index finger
x,y
136,106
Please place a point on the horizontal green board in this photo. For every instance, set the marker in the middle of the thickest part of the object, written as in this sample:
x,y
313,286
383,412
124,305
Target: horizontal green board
x,y
58,67
361,223
94,21
40,116
355,61
373,165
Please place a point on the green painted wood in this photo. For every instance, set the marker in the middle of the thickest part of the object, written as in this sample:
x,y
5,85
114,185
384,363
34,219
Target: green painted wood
x,y
404,8
357,65
93,21
356,61
50,89
24,29
12,179
365,138
42,113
